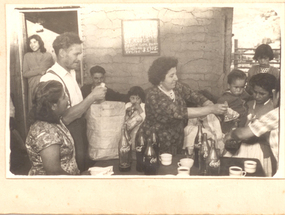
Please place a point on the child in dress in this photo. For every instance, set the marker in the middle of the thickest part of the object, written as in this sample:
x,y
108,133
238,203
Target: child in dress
x,y
262,85
263,54
236,98
135,111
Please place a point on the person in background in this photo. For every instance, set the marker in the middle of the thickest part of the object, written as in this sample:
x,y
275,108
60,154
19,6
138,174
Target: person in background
x,y
135,112
67,47
36,62
98,76
136,97
166,109
265,124
262,85
263,54
236,98
49,144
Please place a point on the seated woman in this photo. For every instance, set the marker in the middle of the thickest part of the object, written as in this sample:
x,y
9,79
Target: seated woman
x,y
166,109
49,144
262,85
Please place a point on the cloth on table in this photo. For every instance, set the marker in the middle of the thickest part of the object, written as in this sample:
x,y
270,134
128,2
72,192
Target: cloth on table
x,y
211,126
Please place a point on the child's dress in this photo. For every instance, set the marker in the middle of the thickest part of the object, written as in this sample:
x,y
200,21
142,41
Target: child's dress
x,y
258,147
136,128
256,69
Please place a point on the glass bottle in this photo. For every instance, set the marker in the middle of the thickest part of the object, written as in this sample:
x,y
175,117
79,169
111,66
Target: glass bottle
x,y
213,161
150,159
233,145
203,154
125,151
197,144
155,145
140,148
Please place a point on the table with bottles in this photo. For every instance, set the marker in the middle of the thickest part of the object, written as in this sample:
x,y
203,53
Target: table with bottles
x,y
226,162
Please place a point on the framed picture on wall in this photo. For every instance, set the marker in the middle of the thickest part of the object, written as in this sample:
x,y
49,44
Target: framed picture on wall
x,y
140,37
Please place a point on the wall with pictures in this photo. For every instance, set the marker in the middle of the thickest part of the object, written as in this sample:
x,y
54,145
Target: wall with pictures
x,y
199,37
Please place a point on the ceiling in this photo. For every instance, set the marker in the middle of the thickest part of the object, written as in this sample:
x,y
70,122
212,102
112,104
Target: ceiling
x,y
56,21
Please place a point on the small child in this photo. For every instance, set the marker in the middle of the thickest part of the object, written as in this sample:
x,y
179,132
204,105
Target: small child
x,y
262,85
236,98
135,111
136,97
263,54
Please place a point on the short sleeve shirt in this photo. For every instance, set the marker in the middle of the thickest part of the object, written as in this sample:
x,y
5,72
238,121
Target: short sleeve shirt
x,y
42,135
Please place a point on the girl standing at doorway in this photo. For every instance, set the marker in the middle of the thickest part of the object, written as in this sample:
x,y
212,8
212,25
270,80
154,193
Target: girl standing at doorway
x,y
36,62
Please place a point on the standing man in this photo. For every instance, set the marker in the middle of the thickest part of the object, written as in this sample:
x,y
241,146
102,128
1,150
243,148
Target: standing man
x,y
98,76
67,47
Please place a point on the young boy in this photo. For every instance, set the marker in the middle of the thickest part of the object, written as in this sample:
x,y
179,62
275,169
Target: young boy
x,y
236,98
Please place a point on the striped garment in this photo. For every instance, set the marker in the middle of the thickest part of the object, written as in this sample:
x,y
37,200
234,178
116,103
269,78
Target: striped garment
x,y
269,122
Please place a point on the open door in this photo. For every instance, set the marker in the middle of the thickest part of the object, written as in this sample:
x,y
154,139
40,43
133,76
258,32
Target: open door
x,y
26,22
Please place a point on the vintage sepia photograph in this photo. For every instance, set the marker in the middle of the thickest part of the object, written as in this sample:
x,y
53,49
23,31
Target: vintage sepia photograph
x,y
145,93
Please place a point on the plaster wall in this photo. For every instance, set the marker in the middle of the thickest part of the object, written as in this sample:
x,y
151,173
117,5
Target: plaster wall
x,y
199,37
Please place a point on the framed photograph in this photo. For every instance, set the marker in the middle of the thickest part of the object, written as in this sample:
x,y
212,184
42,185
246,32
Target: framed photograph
x,y
140,37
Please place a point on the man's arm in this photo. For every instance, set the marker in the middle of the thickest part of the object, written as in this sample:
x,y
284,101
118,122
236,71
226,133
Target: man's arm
x,y
78,110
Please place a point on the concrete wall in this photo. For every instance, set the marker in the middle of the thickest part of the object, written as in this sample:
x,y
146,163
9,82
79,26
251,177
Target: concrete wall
x,y
199,37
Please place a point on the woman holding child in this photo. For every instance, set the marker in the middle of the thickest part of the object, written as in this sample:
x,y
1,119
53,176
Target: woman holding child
x,y
166,108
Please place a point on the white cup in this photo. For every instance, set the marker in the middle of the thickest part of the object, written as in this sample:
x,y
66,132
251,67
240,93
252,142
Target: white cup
x,y
166,159
250,166
183,171
186,162
236,171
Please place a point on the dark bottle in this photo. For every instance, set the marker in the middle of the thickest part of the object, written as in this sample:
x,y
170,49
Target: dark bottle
x,y
150,160
155,145
140,148
213,161
203,154
233,145
197,144
125,151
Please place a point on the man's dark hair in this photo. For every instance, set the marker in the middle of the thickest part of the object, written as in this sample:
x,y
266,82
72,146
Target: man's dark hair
x,y
97,69
64,41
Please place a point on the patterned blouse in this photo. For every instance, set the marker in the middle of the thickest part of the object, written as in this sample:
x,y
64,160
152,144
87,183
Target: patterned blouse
x,y
166,117
42,135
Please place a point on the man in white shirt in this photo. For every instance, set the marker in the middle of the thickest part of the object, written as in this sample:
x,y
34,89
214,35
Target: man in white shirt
x,y
67,47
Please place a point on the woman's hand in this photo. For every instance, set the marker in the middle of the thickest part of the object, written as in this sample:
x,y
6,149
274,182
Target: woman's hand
x,y
219,109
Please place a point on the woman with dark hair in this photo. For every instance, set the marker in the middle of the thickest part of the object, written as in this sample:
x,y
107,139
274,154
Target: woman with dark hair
x,y
166,108
263,55
49,143
36,62
262,86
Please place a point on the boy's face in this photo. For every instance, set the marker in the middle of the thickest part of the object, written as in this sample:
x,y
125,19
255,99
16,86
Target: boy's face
x,y
260,95
135,99
98,78
237,87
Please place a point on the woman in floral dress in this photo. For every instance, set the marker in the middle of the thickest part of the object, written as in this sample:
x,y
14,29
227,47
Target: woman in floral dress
x,y
166,109
49,144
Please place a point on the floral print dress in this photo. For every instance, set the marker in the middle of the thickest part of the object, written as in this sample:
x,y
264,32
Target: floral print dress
x,y
166,117
42,135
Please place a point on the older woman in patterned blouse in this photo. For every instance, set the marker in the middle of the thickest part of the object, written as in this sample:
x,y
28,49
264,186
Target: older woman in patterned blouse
x,y
49,144
166,108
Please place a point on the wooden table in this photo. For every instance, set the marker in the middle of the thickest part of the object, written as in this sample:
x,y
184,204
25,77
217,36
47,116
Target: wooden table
x,y
226,162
